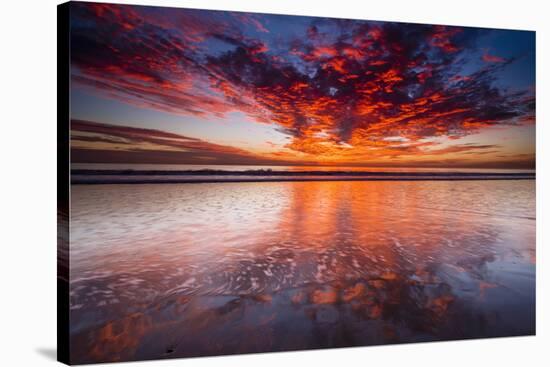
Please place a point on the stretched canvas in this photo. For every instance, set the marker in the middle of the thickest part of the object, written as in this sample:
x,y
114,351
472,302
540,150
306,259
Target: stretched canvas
x,y
236,182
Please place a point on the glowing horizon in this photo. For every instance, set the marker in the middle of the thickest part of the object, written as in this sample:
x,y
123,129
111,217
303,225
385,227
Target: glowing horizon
x,y
161,85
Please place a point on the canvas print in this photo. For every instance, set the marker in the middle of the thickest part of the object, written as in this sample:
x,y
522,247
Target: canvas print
x,y
236,182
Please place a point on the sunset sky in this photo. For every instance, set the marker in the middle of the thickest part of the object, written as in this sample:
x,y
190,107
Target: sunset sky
x,y
165,85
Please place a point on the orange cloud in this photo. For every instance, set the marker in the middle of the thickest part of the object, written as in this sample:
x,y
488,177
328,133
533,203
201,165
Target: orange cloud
x,y
337,99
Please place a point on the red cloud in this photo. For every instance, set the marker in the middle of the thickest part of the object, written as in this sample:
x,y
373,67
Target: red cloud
x,y
491,58
442,36
341,97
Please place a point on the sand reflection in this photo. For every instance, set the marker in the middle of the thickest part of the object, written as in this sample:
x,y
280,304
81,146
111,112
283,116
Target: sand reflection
x,y
187,270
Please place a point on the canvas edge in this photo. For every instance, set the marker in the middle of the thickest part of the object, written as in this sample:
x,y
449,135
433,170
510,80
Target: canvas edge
x,y
63,188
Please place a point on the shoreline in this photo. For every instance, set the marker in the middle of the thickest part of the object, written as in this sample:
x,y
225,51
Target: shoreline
x,y
178,180
264,173
109,177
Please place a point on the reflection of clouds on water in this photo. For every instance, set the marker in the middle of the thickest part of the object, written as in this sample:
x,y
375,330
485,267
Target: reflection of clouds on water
x,y
386,310
331,263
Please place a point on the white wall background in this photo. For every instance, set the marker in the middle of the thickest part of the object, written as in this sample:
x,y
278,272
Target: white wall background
x,y
28,182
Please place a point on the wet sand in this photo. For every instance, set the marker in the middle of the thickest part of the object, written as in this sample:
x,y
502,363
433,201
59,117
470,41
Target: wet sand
x,y
161,271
